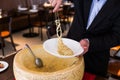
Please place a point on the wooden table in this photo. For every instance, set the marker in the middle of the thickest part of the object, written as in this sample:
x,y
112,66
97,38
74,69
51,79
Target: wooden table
x,y
8,73
31,32
114,68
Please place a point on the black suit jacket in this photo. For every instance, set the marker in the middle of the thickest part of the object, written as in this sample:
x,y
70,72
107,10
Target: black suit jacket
x,y
103,33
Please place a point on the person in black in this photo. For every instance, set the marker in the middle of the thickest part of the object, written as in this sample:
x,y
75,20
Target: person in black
x,y
96,35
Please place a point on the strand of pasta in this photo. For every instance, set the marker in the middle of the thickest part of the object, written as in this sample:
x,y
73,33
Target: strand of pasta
x,y
58,25
62,48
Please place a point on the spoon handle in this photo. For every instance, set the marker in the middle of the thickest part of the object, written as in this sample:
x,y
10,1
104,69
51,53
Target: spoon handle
x,y
30,50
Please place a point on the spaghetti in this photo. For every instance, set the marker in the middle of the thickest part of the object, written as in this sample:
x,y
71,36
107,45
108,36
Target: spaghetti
x,y
62,48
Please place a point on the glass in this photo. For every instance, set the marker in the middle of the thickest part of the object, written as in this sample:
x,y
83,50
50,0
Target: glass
x,y
34,7
0,11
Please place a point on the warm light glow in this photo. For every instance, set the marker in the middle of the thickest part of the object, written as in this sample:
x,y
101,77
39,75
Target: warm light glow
x,y
47,4
0,16
115,48
119,72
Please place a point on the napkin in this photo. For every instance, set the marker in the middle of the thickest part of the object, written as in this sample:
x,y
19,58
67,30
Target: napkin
x,y
89,76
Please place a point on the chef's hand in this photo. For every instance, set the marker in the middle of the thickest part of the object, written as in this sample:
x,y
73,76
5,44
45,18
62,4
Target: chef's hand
x,y
56,4
85,45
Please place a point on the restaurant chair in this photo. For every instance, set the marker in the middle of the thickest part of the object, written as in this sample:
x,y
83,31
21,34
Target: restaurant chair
x,y
44,19
64,16
5,31
51,30
114,63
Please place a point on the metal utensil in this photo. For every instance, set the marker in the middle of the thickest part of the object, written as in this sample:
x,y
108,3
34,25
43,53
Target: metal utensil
x,y
38,61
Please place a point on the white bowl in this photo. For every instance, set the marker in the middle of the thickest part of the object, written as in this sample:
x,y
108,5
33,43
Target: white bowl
x,y
51,46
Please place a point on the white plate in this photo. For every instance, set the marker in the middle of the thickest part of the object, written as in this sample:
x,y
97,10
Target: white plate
x,y
50,46
5,66
22,9
67,3
47,5
33,10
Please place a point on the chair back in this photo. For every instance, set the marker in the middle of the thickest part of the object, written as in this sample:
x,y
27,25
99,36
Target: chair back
x,y
5,31
4,20
45,15
5,24
66,9
51,30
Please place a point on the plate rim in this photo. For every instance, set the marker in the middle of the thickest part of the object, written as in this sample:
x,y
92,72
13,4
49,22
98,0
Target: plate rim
x,y
58,55
22,8
33,10
5,65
